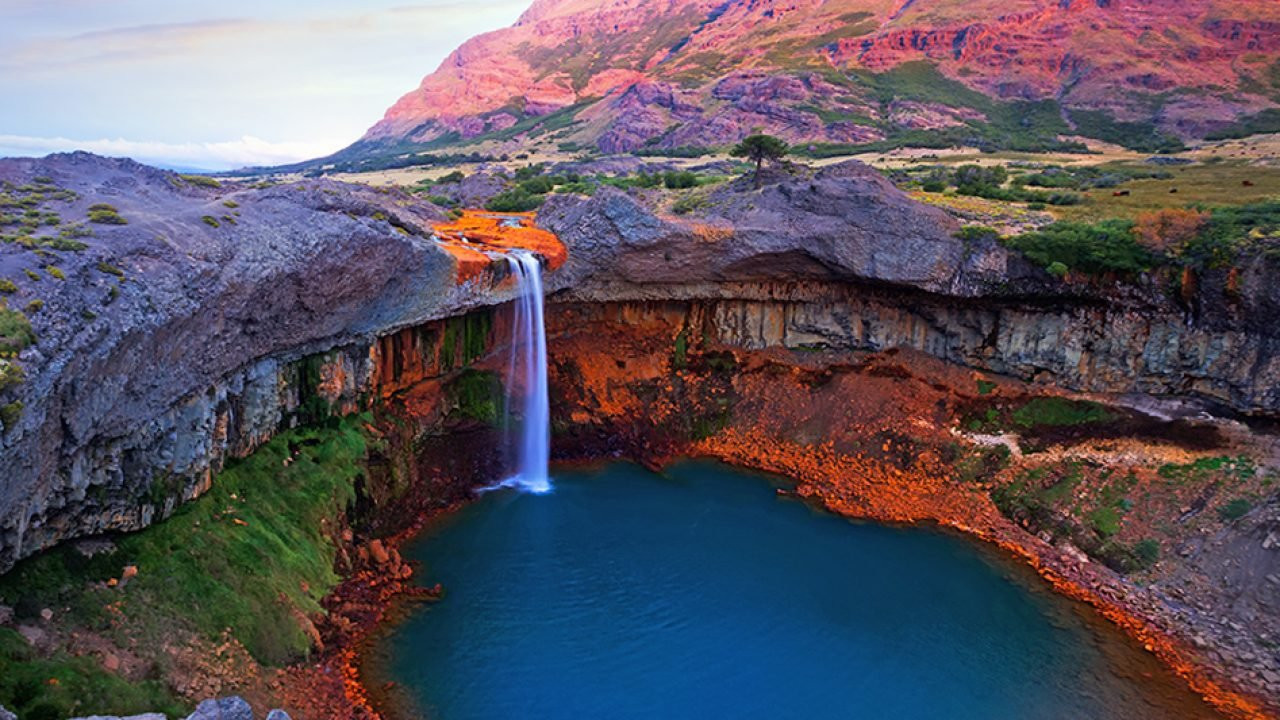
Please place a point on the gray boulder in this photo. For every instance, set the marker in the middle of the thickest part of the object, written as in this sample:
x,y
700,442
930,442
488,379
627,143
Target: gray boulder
x,y
227,708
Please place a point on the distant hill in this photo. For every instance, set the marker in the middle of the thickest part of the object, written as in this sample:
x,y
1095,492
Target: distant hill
x,y
678,76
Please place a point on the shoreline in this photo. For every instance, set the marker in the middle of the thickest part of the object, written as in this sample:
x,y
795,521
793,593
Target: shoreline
x,y
369,695
1064,574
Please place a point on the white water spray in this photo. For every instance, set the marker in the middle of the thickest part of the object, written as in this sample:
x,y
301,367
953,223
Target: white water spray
x,y
529,360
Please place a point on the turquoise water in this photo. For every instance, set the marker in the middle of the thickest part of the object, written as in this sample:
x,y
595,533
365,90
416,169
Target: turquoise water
x,y
701,594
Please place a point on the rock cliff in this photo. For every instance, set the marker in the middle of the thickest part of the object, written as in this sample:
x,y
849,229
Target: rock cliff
x,y
174,338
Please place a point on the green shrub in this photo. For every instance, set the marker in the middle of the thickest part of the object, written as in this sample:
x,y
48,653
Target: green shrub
x,y
106,215
456,176
688,204
10,414
1235,509
977,233
679,180
201,180
537,186
32,275
55,272
10,374
230,204
529,172
8,287
1146,552
1140,136
1057,269
110,269
515,200
35,306
211,221
1108,246
16,334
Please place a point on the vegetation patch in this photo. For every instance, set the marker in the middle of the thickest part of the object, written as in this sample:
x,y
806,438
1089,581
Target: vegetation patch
x,y
16,334
105,214
254,554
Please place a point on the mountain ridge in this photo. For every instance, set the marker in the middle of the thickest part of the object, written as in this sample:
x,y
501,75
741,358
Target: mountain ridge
x,y
625,75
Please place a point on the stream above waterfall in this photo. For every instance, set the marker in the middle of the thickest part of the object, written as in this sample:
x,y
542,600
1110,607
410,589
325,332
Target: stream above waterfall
x,y
701,593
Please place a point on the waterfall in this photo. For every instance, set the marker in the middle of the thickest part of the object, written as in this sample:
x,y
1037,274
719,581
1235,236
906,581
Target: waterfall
x,y
531,438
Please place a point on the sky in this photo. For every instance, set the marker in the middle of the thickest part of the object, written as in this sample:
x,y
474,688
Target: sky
x,y
218,85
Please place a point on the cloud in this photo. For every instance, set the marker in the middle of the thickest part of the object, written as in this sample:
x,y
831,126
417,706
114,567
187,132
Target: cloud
x,y
223,155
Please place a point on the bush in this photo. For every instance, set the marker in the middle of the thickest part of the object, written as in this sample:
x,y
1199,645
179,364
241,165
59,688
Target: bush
x,y
1057,269
1146,553
10,374
104,214
201,180
515,200
211,221
10,414
528,172
537,186
16,334
456,176
1169,230
1235,509
55,272
679,180
8,287
110,269
1108,246
977,233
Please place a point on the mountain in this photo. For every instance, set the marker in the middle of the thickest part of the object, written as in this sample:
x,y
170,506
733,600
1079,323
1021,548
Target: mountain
x,y
638,75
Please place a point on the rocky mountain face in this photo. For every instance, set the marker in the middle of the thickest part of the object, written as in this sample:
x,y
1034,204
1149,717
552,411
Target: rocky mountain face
x,y
626,75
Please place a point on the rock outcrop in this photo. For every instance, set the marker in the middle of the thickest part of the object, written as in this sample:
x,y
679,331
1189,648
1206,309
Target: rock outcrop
x,y
175,338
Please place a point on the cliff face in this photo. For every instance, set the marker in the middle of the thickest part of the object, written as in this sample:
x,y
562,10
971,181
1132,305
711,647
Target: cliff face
x,y
217,315
841,261
624,74
189,330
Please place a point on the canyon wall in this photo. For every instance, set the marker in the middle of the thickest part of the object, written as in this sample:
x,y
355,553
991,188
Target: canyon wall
x,y
175,343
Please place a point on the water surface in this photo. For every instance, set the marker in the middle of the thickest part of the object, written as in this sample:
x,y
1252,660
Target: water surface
x,y
701,594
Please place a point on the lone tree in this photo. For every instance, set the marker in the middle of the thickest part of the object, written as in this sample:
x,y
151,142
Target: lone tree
x,y
759,148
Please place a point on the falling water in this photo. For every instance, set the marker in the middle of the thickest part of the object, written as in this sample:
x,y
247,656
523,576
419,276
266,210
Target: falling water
x,y
529,368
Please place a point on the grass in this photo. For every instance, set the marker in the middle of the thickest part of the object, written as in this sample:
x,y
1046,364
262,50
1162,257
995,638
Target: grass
x,y
16,334
62,686
249,556
110,269
1235,509
201,180
1201,184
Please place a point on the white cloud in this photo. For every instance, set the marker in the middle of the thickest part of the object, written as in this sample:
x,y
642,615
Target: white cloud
x,y
223,155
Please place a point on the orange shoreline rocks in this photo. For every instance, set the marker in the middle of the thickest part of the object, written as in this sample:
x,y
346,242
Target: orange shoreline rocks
x,y
468,237
855,487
